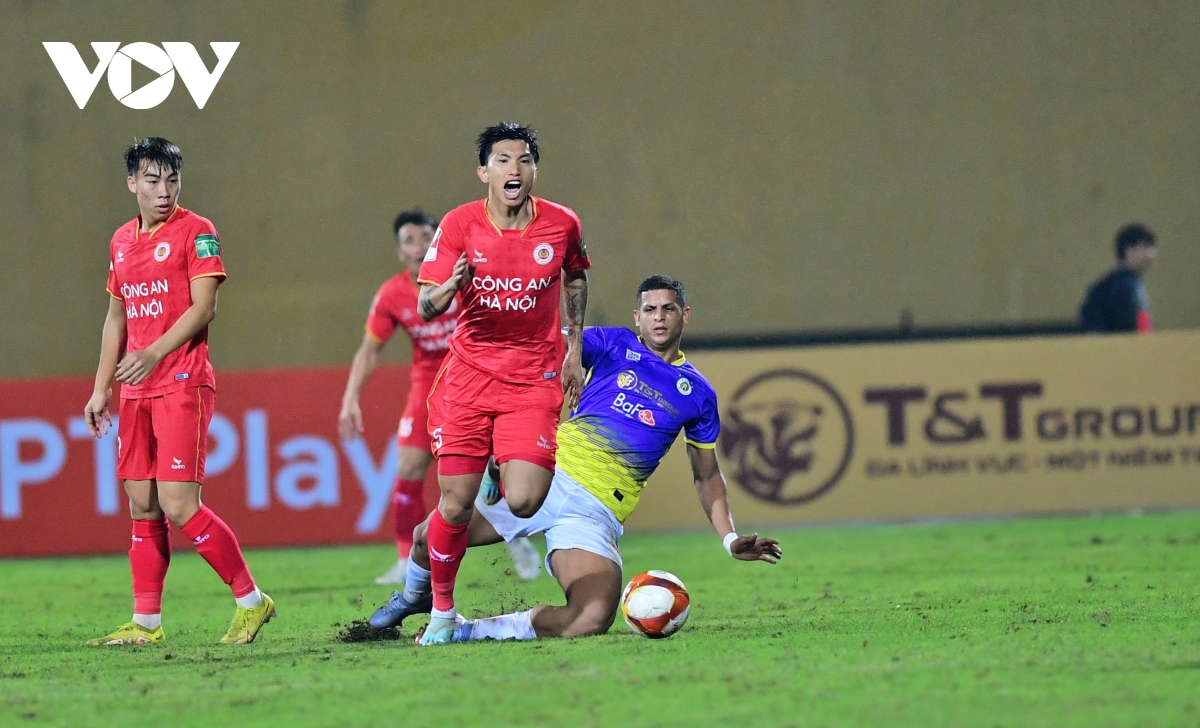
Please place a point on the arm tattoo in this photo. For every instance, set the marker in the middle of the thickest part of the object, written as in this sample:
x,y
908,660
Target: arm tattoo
x,y
576,304
429,310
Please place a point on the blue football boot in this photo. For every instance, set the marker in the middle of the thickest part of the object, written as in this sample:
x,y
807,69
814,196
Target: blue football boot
x,y
397,609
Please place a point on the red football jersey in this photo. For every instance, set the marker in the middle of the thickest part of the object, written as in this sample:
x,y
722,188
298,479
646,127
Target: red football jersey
x,y
396,305
152,272
509,327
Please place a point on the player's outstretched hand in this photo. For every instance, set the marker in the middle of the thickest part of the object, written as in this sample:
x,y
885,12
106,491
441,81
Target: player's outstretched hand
x,y
95,413
462,274
572,379
753,548
135,367
350,424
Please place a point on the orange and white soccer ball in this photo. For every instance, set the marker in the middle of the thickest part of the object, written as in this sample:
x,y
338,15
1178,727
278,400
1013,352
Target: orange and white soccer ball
x,y
655,604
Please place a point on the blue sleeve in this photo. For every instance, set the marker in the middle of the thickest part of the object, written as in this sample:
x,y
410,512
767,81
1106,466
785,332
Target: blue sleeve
x,y
706,427
595,343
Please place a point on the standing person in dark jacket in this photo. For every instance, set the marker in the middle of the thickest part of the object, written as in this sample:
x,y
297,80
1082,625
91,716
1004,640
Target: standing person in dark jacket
x,y
1118,301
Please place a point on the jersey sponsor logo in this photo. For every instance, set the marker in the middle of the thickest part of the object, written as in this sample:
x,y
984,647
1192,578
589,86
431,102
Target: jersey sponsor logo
x,y
182,376
626,406
627,380
177,464
646,416
118,61
162,251
207,246
543,253
479,257
406,425
631,355
515,284
201,539
684,386
549,375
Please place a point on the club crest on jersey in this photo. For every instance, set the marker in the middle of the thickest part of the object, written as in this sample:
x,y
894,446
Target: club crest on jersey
x,y
627,380
684,386
162,251
543,253
646,416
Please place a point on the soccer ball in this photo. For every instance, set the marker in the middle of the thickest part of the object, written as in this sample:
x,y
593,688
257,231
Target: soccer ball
x,y
655,604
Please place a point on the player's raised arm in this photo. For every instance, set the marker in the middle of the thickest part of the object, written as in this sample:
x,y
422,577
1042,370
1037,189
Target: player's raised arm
x,y
112,343
433,301
575,294
137,365
710,486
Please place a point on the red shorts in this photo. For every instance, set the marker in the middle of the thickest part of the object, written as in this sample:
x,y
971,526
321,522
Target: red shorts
x,y
414,424
165,437
474,415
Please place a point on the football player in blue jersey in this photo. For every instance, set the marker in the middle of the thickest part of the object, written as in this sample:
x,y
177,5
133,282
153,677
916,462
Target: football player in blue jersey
x,y
640,392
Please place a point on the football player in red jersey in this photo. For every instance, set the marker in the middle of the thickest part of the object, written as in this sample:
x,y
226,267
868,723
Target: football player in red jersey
x,y
395,306
512,260
164,269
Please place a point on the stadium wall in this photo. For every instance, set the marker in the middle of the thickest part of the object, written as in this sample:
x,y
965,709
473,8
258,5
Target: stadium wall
x,y
801,166
1063,424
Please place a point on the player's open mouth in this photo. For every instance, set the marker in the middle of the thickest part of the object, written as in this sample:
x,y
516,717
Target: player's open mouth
x,y
512,189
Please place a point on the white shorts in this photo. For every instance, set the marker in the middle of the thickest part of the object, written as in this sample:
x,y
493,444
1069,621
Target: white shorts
x,y
571,518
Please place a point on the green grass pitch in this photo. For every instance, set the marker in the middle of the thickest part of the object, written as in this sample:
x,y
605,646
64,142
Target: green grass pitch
x,y
1056,622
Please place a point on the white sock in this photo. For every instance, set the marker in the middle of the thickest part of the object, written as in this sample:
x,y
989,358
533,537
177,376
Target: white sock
x,y
416,583
516,626
149,621
450,614
251,600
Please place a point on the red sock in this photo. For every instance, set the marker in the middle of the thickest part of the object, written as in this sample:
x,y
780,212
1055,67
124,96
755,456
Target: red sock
x,y
219,547
149,557
408,511
447,546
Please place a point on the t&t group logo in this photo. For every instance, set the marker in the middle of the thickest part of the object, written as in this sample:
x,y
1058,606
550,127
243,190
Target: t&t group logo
x,y
118,61
790,435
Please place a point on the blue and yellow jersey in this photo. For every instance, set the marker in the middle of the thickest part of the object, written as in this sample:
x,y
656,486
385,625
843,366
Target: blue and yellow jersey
x,y
633,406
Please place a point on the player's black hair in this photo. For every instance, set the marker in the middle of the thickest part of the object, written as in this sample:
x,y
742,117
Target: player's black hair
x,y
152,150
413,216
662,283
1133,234
504,131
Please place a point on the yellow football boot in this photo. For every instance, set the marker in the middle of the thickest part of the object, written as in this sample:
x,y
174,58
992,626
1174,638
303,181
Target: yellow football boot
x,y
131,633
247,621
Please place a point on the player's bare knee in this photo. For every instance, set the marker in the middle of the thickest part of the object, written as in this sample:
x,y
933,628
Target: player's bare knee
x,y
591,618
525,505
455,510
